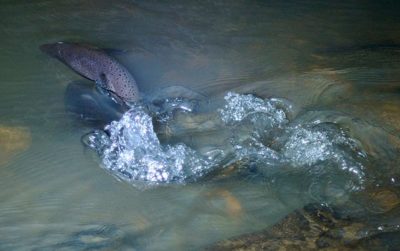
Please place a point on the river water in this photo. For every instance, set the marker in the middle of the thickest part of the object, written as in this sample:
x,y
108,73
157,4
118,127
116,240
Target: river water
x,y
300,99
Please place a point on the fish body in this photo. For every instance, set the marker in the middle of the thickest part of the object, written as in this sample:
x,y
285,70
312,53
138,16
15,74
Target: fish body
x,y
96,65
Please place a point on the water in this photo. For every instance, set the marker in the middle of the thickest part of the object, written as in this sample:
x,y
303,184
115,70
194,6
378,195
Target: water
x,y
321,126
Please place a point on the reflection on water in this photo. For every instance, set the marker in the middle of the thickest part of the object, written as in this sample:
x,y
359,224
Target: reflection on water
x,y
321,126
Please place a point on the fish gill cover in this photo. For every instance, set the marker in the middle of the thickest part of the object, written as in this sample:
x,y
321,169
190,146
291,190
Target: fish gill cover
x,y
260,132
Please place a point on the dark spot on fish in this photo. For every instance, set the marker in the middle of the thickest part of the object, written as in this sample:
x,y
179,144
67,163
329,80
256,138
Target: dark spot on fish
x,y
103,80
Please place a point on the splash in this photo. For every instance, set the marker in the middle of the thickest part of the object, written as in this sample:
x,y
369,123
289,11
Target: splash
x,y
241,107
131,150
253,130
270,141
325,151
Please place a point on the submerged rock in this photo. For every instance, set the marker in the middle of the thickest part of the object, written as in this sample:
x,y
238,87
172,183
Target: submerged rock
x,y
12,141
384,200
312,228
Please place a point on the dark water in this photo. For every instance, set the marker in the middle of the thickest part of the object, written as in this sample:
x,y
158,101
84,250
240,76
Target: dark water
x,y
334,62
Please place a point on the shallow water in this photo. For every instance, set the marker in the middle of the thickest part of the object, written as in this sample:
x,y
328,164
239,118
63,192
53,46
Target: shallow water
x,y
337,65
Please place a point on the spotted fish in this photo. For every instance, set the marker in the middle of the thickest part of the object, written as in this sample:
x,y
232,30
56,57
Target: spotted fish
x,y
96,65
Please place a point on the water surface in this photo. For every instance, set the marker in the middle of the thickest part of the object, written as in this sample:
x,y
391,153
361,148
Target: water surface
x,y
335,63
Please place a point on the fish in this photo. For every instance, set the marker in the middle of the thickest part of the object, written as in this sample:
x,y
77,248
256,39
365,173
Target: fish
x,y
96,65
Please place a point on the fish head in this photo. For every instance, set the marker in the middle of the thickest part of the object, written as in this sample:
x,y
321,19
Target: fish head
x,y
55,49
